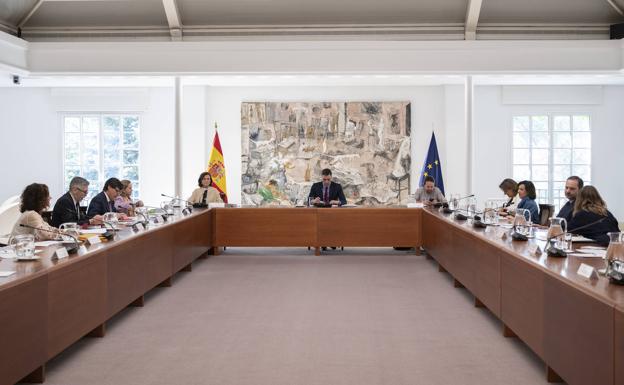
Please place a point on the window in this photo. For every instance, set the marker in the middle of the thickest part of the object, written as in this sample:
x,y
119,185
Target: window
x,y
547,149
98,147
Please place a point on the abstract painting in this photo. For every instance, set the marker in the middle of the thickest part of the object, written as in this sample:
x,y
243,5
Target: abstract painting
x,y
286,145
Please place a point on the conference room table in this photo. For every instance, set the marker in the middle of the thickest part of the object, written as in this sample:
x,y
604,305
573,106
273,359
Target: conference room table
x,y
576,326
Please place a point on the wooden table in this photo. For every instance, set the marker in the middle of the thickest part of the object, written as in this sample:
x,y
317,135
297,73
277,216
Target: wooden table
x,y
50,304
568,321
574,325
316,227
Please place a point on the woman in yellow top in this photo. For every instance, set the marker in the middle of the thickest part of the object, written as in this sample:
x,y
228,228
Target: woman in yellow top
x,y
205,193
34,200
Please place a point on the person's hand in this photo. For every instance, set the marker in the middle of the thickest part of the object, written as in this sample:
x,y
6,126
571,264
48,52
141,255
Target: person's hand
x,y
316,200
122,217
335,202
427,203
96,220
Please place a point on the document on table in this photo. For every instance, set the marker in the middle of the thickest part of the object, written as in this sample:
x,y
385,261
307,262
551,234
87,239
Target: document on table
x,y
93,231
46,243
590,253
6,273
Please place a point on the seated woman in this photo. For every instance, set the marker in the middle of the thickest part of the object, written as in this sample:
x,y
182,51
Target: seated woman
x,y
527,195
591,211
34,200
123,202
510,189
205,193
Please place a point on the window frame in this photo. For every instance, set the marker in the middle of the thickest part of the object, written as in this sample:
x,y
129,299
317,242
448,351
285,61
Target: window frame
x,y
100,115
551,114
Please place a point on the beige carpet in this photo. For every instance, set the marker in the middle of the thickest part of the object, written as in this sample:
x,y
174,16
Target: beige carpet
x,y
284,316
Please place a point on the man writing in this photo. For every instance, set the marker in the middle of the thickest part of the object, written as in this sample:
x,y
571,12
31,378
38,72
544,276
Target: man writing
x,y
326,192
67,207
429,194
572,186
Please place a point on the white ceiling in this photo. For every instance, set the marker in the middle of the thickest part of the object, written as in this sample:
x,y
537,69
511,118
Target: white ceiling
x,y
311,80
418,19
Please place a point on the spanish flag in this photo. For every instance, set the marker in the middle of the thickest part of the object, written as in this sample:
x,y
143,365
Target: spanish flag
x,y
216,166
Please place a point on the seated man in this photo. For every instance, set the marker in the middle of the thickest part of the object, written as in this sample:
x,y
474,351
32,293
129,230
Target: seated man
x,y
429,194
104,202
327,192
572,186
67,207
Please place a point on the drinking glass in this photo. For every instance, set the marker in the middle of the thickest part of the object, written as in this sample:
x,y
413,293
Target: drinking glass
x,y
70,229
24,245
111,218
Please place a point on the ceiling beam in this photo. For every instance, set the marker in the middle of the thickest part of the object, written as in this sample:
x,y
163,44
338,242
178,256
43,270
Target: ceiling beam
x,y
472,19
615,6
29,14
173,18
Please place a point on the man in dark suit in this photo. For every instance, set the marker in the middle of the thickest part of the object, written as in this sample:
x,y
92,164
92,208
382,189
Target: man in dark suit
x,y
327,192
67,207
104,202
572,186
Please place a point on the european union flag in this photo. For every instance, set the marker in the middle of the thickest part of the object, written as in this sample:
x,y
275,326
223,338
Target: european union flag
x,y
432,166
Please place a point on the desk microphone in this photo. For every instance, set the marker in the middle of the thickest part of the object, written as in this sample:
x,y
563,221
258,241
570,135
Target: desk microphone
x,y
73,249
447,210
188,203
109,234
551,247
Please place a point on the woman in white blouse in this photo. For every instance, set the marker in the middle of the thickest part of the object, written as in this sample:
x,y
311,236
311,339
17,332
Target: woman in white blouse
x,y
205,193
34,200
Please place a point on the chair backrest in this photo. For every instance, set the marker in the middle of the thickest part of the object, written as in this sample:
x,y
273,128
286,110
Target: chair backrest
x,y
10,201
547,211
9,214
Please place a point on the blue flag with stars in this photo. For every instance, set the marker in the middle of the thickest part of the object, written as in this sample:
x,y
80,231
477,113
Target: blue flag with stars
x,y
432,166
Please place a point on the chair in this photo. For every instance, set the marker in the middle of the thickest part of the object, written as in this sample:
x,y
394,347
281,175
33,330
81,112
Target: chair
x,y
9,214
547,211
10,201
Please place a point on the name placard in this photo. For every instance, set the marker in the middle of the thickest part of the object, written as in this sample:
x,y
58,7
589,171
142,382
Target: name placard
x,y
94,240
61,253
587,271
535,250
216,205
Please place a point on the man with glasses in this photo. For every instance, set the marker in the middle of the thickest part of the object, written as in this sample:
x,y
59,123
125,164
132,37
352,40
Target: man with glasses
x,y
67,207
104,202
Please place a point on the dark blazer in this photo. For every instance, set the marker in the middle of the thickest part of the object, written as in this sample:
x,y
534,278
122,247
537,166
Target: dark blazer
x,y
566,211
335,192
64,211
99,205
597,232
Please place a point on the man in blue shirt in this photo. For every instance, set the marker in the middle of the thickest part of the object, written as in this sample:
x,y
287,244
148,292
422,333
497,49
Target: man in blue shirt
x,y
572,186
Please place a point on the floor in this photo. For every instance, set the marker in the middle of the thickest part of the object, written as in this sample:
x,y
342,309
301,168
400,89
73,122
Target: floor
x,y
284,316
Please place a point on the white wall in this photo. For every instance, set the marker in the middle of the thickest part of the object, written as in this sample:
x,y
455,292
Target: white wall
x,y
492,130
31,135
433,108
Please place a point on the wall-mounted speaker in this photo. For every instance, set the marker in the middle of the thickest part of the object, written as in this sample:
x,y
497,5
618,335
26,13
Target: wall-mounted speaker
x,y
617,31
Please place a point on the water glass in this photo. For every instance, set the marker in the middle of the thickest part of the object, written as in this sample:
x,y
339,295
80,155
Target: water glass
x,y
24,245
70,230
110,218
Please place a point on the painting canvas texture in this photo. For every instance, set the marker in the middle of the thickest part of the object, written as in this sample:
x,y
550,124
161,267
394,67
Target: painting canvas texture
x,y
285,145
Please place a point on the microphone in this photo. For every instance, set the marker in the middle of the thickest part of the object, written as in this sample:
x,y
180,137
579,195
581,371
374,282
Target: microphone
x,y
551,247
447,210
188,203
70,249
109,234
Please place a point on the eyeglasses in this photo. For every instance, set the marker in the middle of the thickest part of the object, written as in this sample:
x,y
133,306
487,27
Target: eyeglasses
x,y
82,191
